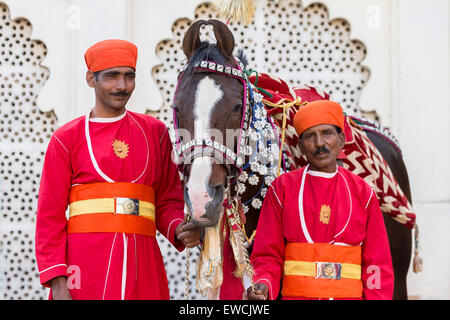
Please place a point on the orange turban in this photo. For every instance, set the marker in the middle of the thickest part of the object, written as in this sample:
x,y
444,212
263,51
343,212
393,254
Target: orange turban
x,y
109,54
318,112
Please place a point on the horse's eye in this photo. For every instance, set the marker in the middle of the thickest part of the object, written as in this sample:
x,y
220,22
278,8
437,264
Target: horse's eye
x,y
237,108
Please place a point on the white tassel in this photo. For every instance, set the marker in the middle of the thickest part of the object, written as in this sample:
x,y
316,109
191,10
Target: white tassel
x,y
417,261
238,10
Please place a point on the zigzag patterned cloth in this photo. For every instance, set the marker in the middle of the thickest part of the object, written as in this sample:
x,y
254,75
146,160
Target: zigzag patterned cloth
x,y
359,155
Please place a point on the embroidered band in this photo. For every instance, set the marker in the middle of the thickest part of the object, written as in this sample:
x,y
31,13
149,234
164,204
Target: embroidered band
x,y
322,270
112,207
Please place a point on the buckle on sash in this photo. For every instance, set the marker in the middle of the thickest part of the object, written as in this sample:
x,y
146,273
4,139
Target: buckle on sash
x,y
127,206
328,270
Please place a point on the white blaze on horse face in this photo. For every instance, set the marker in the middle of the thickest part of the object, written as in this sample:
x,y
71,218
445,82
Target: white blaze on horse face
x,y
198,194
207,95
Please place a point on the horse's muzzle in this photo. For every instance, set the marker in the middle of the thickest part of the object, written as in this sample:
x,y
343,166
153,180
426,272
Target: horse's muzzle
x,y
212,209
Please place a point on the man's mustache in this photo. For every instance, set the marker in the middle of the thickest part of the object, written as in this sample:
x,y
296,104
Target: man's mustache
x,y
321,149
120,94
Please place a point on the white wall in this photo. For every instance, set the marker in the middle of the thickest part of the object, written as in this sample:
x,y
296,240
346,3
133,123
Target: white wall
x,y
421,120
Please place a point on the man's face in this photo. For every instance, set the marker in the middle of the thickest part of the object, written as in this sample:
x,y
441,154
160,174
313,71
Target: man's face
x,y
113,87
321,145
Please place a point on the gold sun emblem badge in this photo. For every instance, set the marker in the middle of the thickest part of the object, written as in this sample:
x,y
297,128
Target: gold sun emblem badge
x,y
325,212
120,148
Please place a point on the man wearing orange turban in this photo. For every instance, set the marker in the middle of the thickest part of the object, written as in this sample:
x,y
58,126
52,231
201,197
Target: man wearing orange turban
x,y
321,232
319,119
113,169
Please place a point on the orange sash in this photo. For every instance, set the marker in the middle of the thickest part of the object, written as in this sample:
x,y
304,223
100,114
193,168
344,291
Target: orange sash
x,y
96,207
322,270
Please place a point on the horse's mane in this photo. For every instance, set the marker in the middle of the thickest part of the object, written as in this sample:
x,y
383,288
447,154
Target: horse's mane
x,y
242,57
206,51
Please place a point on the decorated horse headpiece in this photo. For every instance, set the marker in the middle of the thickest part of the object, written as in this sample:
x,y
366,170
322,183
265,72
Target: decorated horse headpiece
x,y
192,149
255,134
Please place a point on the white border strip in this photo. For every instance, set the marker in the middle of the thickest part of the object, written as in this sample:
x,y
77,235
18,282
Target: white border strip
x,y
370,197
109,120
56,265
351,207
170,225
109,264
124,267
300,207
91,152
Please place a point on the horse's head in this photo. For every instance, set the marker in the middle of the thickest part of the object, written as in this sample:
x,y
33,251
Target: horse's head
x,y
208,114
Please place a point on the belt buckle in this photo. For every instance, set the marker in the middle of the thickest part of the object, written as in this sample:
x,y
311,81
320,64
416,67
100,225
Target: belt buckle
x,y
127,206
328,270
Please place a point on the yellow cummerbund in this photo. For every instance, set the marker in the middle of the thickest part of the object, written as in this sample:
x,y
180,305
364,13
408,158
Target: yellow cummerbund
x,y
322,270
112,207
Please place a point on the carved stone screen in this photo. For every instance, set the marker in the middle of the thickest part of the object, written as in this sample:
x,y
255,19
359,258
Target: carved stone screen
x,y
298,44
24,134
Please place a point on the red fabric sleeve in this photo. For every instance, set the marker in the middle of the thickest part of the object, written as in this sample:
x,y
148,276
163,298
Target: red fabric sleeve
x,y
169,194
268,249
51,221
377,273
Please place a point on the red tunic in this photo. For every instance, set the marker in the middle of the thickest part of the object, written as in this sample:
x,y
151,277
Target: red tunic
x,y
355,220
107,265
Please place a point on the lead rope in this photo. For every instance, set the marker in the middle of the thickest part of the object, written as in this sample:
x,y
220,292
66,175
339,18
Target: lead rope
x,y
284,106
232,210
417,261
187,265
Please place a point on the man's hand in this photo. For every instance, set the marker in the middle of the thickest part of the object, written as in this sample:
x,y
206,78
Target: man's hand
x,y
189,233
261,292
59,289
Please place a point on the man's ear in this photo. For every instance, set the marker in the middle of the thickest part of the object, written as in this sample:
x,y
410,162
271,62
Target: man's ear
x,y
342,140
300,144
90,79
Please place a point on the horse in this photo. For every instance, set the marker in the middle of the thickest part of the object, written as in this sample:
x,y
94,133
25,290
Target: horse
x,y
228,151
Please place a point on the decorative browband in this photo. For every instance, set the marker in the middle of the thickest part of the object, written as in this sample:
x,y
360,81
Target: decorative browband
x,y
199,146
215,67
202,142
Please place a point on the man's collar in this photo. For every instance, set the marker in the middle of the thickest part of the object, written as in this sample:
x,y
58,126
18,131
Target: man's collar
x,y
108,120
323,174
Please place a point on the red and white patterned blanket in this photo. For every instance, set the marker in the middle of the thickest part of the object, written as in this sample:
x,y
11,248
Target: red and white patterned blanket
x,y
359,155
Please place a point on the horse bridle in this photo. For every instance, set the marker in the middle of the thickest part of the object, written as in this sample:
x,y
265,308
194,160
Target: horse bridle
x,y
187,152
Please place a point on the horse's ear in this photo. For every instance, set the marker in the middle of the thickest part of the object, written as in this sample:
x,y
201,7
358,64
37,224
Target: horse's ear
x,y
224,37
191,39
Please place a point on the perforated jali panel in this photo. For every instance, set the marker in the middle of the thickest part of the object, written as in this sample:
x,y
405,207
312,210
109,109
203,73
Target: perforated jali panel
x,y
24,134
299,44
